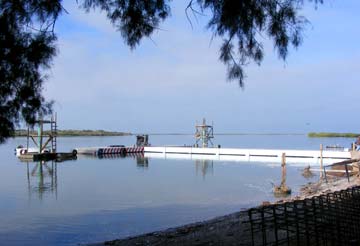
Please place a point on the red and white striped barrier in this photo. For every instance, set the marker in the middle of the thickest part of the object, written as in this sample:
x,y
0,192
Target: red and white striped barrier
x,y
134,149
122,150
111,150
119,150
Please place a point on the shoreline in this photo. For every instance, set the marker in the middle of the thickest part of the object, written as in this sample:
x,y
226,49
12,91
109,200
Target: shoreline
x,y
332,135
76,133
99,133
227,229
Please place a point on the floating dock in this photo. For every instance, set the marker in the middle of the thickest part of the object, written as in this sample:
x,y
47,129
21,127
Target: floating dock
x,y
223,154
204,135
236,154
47,156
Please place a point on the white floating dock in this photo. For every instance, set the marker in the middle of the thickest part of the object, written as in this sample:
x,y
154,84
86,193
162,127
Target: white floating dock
x,y
235,154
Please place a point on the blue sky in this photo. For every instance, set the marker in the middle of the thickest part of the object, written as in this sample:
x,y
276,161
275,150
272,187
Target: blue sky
x,y
170,82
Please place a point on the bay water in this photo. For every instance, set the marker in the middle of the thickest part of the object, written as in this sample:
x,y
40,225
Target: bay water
x,y
91,200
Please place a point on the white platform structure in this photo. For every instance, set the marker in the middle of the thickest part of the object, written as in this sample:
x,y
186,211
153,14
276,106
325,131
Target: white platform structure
x,y
247,155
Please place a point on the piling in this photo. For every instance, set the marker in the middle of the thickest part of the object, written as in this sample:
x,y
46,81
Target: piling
x,y
321,161
283,169
283,189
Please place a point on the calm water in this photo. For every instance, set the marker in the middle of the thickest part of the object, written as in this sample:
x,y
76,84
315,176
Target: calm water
x,y
91,200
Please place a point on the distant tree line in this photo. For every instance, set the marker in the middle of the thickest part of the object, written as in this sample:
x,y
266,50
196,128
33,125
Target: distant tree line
x,y
74,133
332,135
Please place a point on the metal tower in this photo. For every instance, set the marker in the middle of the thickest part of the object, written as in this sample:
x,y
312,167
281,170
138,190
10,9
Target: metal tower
x,y
204,133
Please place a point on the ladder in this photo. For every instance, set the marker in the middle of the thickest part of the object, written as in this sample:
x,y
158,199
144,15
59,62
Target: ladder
x,y
53,134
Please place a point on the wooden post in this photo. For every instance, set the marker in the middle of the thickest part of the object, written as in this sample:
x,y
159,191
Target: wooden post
x,y
27,139
325,175
282,189
347,173
321,161
283,170
40,136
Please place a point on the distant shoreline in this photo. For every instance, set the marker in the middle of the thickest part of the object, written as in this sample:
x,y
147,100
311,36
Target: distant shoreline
x,y
332,135
229,134
76,133
103,133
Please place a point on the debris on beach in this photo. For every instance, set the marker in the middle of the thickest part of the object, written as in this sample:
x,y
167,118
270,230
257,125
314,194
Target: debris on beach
x,y
307,173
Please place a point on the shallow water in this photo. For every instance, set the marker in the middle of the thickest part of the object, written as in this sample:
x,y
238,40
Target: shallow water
x,y
91,200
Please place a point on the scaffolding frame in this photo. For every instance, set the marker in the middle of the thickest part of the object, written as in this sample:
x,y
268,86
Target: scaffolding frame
x,y
204,133
42,140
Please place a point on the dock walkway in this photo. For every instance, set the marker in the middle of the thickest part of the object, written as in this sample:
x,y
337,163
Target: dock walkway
x,y
236,154
224,154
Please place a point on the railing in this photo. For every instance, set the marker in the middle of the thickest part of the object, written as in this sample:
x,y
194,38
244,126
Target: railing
x,y
342,163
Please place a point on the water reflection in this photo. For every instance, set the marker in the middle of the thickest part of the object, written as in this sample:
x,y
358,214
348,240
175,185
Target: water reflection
x,y
102,199
106,156
205,167
142,162
42,178
140,159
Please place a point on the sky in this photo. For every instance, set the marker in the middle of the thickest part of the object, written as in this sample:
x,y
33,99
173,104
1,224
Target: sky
x,y
175,78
